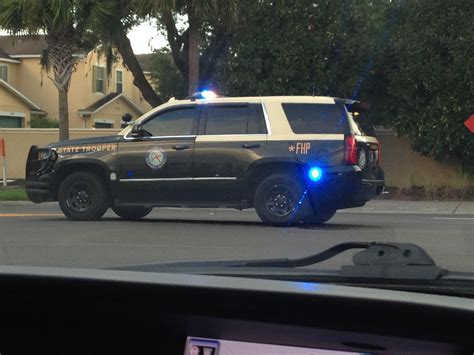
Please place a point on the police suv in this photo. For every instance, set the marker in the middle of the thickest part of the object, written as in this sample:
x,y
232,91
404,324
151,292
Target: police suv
x,y
295,159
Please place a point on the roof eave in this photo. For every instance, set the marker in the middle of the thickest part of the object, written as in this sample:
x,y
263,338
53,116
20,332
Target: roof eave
x,y
18,94
121,95
8,60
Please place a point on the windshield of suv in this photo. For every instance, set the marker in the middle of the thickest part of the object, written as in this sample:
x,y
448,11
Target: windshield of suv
x,y
268,130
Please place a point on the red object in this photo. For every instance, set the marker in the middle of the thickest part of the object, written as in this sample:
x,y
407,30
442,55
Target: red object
x,y
351,150
470,123
2,148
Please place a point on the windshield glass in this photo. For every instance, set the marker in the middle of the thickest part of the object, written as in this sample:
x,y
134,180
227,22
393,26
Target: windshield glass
x,y
267,129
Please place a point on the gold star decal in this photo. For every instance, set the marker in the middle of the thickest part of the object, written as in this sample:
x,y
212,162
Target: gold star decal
x,y
291,148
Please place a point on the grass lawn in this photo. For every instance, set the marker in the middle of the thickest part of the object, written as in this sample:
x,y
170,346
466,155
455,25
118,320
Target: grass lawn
x,y
13,194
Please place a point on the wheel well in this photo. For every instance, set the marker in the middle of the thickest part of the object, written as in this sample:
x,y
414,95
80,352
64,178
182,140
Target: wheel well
x,y
67,170
264,170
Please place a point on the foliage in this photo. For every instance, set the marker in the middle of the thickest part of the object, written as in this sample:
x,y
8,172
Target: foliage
x,y
429,73
13,194
167,78
302,47
43,122
411,60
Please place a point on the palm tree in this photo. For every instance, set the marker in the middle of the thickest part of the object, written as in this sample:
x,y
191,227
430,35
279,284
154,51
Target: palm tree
x,y
188,43
68,27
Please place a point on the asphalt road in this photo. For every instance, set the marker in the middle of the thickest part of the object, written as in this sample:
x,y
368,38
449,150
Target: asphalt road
x,y
39,235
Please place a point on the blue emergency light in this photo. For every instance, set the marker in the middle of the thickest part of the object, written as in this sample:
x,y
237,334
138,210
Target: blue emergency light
x,y
208,94
315,173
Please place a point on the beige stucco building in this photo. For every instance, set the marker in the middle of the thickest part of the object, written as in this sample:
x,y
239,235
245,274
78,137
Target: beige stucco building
x,y
96,100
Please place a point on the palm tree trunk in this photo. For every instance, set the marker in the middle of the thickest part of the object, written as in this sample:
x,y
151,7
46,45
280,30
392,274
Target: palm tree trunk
x,y
59,58
193,67
63,115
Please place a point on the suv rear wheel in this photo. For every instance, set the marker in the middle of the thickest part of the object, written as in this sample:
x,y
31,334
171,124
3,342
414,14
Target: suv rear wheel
x,y
83,196
132,213
279,200
320,216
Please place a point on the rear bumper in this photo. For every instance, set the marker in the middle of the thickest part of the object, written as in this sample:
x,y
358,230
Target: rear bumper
x,y
347,187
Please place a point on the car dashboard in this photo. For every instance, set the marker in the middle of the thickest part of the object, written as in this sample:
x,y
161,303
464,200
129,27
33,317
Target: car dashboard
x,y
78,311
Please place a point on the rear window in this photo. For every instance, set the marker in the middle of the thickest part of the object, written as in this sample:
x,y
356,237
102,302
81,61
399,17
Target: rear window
x,y
364,124
316,118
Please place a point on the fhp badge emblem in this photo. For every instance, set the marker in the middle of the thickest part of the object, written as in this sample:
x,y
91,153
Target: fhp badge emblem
x,y
156,158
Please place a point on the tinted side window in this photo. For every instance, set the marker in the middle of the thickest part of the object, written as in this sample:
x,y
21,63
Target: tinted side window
x,y
179,122
316,118
256,124
241,119
226,120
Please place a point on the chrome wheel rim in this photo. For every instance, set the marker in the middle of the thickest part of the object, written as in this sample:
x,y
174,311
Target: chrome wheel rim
x,y
279,200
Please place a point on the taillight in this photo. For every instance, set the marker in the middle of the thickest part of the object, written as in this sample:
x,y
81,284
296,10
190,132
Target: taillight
x,y
351,150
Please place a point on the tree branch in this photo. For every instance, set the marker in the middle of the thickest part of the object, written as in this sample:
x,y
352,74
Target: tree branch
x,y
122,43
213,53
175,41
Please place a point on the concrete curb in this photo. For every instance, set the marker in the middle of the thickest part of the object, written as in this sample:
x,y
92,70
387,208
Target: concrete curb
x,y
415,207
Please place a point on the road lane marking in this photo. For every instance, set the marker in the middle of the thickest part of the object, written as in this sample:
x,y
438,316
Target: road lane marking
x,y
6,215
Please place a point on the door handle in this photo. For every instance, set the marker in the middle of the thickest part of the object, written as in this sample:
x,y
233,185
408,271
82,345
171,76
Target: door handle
x,y
250,146
181,147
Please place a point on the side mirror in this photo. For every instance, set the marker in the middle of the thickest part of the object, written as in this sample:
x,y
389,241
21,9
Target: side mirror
x,y
127,118
137,131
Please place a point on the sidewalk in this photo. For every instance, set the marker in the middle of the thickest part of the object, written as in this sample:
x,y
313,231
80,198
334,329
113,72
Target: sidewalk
x,y
415,207
375,206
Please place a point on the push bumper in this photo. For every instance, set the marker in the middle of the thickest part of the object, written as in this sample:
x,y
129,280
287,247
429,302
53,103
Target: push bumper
x,y
39,180
40,189
348,186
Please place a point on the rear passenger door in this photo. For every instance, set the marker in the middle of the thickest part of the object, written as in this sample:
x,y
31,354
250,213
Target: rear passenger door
x,y
230,138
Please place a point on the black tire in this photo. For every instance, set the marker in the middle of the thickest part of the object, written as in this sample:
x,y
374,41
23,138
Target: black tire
x,y
320,216
83,196
132,213
276,200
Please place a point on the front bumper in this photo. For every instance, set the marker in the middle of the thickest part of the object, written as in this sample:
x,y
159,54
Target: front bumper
x,y
39,180
346,187
40,189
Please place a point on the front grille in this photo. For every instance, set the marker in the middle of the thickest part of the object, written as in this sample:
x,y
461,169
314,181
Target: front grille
x,y
39,161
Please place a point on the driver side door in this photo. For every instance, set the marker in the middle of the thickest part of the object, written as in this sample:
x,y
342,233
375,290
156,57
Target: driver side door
x,y
157,168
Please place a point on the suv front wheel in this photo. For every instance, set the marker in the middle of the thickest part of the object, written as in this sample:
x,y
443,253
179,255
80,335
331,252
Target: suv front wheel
x,y
83,196
280,200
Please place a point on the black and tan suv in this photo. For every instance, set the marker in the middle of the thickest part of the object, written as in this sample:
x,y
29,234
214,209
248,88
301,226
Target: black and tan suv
x,y
292,158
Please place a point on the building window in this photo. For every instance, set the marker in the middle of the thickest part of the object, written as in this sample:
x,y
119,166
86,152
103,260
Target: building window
x,y
4,72
103,123
98,79
11,121
118,81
